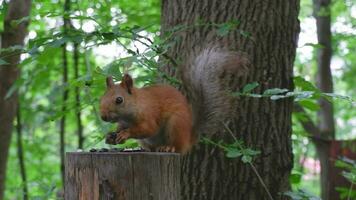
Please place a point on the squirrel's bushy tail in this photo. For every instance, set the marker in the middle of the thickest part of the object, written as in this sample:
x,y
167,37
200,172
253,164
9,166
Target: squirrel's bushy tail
x,y
209,77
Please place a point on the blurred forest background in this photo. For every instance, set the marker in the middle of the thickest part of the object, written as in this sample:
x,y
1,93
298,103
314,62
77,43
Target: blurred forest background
x,y
71,46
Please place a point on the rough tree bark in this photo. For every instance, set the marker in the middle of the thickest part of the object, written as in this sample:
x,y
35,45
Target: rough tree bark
x,y
261,123
122,176
12,35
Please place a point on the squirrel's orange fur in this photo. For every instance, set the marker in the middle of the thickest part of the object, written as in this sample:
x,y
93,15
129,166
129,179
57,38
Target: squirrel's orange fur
x,y
158,115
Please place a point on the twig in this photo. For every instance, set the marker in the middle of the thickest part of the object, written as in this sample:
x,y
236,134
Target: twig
x,y
350,190
251,164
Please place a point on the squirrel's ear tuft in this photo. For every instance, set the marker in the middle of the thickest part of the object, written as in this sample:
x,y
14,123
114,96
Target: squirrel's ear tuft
x,y
109,82
127,83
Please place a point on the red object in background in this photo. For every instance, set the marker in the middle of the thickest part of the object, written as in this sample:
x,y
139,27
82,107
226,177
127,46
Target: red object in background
x,y
339,148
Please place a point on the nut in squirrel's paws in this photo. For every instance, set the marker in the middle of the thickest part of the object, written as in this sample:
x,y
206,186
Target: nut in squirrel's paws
x,y
171,149
110,138
117,138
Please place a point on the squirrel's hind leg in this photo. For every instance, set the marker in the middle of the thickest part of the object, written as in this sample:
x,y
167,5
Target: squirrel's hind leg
x,y
179,133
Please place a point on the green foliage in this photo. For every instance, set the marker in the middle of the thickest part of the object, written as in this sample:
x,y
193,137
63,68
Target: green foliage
x,y
295,178
249,87
129,144
235,150
301,195
40,85
349,173
305,96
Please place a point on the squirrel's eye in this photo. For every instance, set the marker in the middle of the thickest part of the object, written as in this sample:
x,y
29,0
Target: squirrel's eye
x,y
119,100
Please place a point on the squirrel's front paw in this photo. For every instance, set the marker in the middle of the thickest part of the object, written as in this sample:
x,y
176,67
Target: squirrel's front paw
x,y
117,138
110,138
122,136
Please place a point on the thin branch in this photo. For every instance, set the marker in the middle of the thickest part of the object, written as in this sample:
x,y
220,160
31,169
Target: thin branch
x,y
350,190
65,92
20,153
77,97
251,164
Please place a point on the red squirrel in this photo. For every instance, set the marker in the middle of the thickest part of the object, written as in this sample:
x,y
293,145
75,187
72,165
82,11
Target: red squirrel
x,y
160,116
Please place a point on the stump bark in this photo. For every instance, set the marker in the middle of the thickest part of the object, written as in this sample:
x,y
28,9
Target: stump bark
x,y
122,176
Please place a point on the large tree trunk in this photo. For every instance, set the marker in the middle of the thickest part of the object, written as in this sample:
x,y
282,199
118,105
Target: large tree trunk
x,y
12,35
261,123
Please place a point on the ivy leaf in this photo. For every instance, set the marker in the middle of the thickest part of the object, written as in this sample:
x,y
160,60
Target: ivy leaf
x,y
249,87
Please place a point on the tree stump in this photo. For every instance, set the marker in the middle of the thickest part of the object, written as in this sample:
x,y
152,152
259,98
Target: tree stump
x,y
122,176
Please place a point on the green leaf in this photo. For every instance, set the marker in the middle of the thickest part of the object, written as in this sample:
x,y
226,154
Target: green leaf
x,y
317,46
338,96
223,29
12,48
249,87
304,95
276,97
109,36
293,195
233,153
295,177
275,91
301,195
245,34
310,105
254,95
246,159
250,152
11,91
304,84
130,143
15,23
58,42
